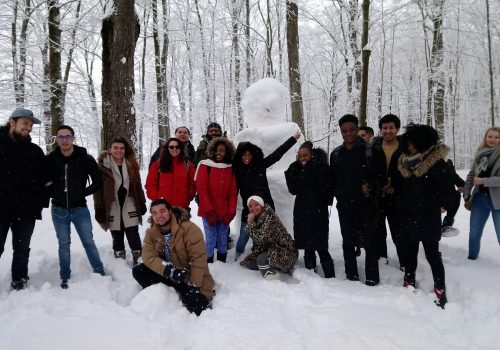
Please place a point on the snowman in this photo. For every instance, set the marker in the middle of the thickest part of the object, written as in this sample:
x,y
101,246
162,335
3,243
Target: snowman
x,y
264,109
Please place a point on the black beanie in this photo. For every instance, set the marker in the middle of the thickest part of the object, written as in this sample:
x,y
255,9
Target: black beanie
x,y
346,118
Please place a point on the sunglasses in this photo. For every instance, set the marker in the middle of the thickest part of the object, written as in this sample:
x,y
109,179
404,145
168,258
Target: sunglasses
x,y
174,147
65,138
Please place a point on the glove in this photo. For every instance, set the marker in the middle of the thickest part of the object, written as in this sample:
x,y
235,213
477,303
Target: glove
x,y
144,209
100,215
175,274
192,290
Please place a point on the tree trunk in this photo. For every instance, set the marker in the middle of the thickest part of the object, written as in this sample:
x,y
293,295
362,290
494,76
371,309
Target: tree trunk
x,y
19,63
490,66
237,62
292,31
366,61
56,87
119,35
47,116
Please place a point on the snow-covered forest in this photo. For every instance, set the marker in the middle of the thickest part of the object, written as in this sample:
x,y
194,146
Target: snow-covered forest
x,y
431,61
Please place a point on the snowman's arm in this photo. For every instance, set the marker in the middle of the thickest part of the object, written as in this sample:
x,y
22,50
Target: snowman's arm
x,y
279,152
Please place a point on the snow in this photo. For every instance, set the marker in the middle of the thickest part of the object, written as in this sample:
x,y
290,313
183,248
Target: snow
x,y
303,312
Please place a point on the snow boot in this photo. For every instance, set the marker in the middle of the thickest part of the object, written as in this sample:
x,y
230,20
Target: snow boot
x,y
409,281
120,254
136,254
222,257
19,284
64,284
210,259
267,271
441,299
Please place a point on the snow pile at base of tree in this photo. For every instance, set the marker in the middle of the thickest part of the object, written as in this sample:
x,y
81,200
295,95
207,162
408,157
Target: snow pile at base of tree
x,y
302,312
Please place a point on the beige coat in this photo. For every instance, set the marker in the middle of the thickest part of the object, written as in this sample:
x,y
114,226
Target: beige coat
x,y
187,250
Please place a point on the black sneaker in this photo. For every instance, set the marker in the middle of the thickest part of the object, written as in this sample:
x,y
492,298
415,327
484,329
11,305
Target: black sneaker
x,y
64,284
352,277
20,284
371,283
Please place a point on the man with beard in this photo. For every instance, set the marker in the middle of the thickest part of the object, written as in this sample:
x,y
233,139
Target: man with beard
x,y
214,130
22,190
174,254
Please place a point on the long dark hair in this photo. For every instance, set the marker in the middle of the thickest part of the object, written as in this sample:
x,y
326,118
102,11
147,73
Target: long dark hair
x,y
130,156
166,161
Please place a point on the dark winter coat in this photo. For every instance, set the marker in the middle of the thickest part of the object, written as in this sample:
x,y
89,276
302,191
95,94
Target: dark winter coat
x,y
421,193
201,150
106,199
350,169
187,251
23,174
393,162
269,235
252,178
69,176
310,213
457,180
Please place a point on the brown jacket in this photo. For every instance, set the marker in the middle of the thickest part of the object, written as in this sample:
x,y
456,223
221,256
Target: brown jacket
x,y
187,250
106,201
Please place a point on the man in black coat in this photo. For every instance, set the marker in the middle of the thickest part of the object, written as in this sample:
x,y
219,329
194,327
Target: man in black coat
x,y
22,190
354,175
70,168
389,148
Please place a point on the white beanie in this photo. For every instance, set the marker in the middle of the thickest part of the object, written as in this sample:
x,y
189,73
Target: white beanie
x,y
257,199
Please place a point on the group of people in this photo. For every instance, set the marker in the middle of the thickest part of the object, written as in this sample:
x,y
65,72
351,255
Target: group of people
x,y
404,179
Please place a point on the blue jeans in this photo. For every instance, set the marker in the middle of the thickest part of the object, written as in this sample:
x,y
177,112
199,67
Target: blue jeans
x,y
80,217
242,239
481,209
215,235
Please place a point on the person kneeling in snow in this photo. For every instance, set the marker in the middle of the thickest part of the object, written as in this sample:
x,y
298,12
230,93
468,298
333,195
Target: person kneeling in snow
x,y
273,248
174,253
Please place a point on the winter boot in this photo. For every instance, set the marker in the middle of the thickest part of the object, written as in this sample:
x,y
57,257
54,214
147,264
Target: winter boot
x,y
210,259
441,299
19,284
136,254
221,257
409,281
120,254
328,268
267,271
64,284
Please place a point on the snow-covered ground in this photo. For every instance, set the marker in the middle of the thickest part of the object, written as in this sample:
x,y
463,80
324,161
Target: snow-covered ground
x,y
305,312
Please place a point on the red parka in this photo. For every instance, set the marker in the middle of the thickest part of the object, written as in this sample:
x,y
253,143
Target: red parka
x,y
177,186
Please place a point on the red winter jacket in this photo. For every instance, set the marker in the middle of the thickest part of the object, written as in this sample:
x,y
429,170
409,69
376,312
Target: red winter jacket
x,y
217,192
177,187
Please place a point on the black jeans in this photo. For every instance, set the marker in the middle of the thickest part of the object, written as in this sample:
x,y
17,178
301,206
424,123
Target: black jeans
x,y
325,259
357,224
433,256
194,303
133,238
388,210
22,229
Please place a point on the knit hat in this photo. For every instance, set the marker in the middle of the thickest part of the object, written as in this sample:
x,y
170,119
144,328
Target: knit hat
x,y
257,199
24,113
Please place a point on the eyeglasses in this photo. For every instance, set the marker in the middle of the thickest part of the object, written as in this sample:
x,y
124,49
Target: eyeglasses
x,y
65,138
174,147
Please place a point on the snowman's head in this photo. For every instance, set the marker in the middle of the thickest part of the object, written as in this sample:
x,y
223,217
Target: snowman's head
x,y
264,103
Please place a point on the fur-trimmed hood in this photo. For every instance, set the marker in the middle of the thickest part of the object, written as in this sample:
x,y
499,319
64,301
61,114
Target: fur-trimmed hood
x,y
229,147
439,152
256,151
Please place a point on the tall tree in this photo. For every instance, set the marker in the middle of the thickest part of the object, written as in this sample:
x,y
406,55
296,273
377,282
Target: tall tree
x,y
365,56
120,32
55,76
292,40
490,65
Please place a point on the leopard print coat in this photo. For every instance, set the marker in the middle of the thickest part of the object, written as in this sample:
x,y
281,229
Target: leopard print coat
x,y
270,235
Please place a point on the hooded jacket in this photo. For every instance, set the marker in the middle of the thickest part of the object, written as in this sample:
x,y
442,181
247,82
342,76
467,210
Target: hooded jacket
x,y
106,203
252,178
311,187
421,193
187,251
69,176
23,174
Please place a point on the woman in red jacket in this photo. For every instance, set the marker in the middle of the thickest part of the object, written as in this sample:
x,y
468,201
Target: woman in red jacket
x,y
217,191
172,176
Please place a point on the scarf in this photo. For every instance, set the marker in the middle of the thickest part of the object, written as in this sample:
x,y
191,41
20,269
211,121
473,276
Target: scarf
x,y
486,158
210,163
412,162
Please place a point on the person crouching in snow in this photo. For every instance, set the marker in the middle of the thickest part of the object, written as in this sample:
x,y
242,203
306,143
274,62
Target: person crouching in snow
x,y
307,178
218,194
423,185
273,249
174,253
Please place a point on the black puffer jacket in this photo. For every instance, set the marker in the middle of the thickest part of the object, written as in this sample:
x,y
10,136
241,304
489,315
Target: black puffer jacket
x,y
251,178
421,193
72,173
23,175
310,213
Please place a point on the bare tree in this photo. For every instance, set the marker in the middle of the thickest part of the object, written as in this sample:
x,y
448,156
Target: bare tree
x,y
366,51
490,65
55,76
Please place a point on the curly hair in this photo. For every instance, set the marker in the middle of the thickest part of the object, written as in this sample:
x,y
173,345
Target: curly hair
x,y
166,160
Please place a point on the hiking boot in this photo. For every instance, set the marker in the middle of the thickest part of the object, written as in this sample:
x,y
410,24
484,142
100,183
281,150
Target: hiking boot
x,y
64,284
120,254
441,299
